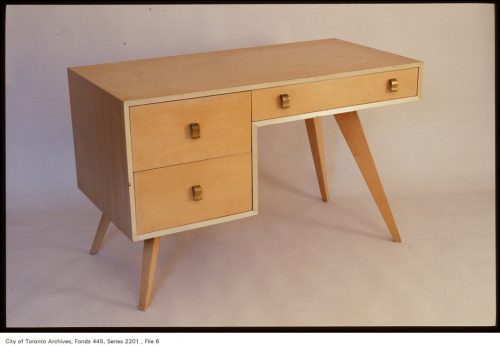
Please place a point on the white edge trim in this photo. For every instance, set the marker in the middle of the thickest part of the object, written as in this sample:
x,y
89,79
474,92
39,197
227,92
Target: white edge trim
x,y
255,170
255,125
332,111
194,225
130,172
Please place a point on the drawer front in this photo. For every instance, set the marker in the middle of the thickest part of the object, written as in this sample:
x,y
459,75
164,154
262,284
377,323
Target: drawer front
x,y
161,134
164,197
333,93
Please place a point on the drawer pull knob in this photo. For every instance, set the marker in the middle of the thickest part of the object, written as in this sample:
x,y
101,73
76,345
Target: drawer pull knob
x,y
197,192
195,130
285,101
393,84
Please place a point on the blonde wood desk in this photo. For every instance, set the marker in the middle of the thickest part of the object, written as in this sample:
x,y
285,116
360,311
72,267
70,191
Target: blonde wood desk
x,y
169,144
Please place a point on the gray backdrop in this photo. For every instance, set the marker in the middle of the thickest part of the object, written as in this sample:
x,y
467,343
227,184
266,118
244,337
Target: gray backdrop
x,y
440,146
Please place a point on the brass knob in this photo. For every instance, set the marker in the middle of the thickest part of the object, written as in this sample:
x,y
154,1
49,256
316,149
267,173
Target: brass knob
x,y
197,192
195,130
285,101
393,84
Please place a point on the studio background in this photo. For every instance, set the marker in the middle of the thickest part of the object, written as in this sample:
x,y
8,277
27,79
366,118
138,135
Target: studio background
x,y
300,261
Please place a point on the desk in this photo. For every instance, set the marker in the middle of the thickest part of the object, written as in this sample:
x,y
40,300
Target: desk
x,y
169,144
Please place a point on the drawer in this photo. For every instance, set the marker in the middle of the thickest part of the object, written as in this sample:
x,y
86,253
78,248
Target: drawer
x,y
333,93
164,197
161,133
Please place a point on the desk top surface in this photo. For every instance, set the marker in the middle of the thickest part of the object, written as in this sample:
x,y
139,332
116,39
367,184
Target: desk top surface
x,y
211,73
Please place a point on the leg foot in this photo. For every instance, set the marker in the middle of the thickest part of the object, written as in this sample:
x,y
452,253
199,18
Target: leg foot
x,y
315,134
99,235
353,133
149,258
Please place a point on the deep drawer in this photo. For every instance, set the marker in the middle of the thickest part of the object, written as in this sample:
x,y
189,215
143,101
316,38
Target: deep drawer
x,y
161,134
164,197
332,93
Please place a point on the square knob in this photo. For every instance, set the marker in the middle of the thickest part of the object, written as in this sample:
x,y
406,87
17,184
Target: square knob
x,y
195,130
285,101
197,192
393,84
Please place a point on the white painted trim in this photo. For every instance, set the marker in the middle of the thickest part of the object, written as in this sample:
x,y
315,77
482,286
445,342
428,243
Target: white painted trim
x,y
255,187
130,172
255,169
303,116
195,225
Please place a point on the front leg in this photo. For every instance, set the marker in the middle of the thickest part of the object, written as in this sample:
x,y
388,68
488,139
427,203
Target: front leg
x,y
149,257
353,133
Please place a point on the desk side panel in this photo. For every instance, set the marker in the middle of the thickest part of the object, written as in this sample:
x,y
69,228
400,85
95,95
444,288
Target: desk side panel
x,y
100,149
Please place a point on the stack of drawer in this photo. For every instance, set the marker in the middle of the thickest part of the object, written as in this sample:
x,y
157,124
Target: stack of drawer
x,y
191,160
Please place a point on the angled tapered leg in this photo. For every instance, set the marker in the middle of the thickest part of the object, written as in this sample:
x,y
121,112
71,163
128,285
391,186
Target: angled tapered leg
x,y
149,258
99,235
315,134
353,133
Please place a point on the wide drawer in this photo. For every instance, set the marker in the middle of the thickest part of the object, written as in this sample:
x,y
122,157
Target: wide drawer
x,y
333,93
161,134
164,197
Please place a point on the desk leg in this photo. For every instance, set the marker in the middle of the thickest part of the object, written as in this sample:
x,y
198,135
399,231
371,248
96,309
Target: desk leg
x,y
315,134
99,235
353,133
149,257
